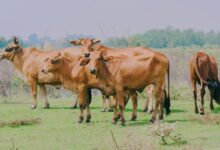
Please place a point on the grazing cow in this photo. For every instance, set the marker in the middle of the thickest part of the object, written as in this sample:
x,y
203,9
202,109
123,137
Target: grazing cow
x,y
133,74
28,62
203,70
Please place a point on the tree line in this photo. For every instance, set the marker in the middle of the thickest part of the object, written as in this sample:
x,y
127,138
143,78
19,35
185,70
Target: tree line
x,y
156,38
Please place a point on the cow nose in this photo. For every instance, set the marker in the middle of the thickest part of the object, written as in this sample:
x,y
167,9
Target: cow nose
x,y
42,70
93,71
87,54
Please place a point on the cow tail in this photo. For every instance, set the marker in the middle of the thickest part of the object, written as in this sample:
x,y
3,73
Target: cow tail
x,y
167,95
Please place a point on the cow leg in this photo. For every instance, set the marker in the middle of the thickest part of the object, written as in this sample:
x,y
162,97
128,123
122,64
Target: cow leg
x,y
116,115
202,94
33,86
134,105
195,96
103,103
120,98
150,95
82,102
211,100
75,102
44,93
158,99
88,116
145,106
110,103
88,101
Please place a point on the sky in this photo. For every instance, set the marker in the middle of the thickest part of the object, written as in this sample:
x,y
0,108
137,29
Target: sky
x,y
104,18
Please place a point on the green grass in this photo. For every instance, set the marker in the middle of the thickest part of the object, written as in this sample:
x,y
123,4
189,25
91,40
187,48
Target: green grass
x,y
59,128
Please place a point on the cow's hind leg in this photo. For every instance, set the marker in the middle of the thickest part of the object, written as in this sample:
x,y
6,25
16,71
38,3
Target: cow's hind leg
x,y
44,93
75,102
202,94
195,95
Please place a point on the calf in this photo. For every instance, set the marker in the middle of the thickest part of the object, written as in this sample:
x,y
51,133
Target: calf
x,y
204,71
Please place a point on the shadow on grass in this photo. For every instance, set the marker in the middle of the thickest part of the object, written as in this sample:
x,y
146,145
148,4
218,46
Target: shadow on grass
x,y
178,111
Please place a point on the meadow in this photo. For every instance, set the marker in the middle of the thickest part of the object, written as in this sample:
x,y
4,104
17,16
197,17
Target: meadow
x,y
58,127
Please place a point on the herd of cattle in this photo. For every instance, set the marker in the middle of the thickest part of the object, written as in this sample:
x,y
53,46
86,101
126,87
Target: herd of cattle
x,y
118,73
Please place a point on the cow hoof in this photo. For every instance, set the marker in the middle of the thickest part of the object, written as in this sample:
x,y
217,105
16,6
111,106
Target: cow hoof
x,y
88,118
202,113
160,117
33,106
80,119
152,120
123,123
110,110
103,110
114,122
74,107
144,110
47,106
133,118
88,121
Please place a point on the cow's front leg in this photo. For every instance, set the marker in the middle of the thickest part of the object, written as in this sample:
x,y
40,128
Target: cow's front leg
x,y
82,102
75,102
33,86
116,115
211,105
44,93
120,97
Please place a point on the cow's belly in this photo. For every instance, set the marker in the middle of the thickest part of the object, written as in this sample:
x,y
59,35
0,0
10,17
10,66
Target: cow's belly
x,y
48,79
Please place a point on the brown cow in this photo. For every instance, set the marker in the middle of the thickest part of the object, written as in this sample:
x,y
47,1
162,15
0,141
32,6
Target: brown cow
x,y
203,70
131,73
28,62
76,77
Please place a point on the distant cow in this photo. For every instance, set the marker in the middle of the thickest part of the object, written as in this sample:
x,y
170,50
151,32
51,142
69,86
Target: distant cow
x,y
129,69
204,71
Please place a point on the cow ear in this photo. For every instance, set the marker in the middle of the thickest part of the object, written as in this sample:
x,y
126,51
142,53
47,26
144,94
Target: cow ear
x,y
84,61
94,41
15,40
76,42
57,59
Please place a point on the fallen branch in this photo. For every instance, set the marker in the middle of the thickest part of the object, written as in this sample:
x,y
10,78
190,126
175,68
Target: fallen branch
x,y
116,144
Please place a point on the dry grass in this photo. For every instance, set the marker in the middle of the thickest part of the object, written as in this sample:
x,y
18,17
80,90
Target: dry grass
x,y
21,122
205,119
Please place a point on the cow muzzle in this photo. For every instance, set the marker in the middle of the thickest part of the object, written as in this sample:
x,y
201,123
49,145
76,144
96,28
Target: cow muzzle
x,y
44,71
87,54
93,71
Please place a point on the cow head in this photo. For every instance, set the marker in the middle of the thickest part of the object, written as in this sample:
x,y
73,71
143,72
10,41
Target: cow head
x,y
11,50
52,63
96,62
215,89
87,45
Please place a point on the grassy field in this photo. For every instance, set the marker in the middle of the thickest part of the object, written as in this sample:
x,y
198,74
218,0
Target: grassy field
x,y
59,128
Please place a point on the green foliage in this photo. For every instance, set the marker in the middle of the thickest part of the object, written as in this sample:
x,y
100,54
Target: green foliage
x,y
167,38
